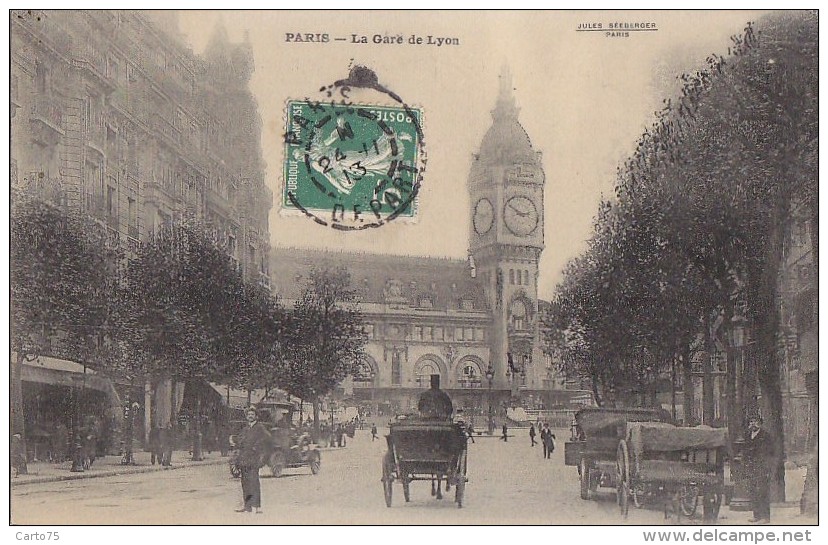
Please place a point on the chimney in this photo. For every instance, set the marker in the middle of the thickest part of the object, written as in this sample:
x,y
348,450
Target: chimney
x,y
435,382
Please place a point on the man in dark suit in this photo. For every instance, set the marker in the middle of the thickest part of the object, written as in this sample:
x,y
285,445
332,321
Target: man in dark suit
x,y
544,432
758,456
253,444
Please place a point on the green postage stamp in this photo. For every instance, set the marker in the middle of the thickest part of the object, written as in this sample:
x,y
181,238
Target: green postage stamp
x,y
351,166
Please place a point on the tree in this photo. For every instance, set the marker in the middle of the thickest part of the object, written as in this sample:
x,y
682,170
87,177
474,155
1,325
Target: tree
x,y
63,273
189,314
325,339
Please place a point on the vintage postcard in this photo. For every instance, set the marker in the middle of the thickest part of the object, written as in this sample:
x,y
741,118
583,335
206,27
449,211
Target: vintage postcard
x,y
413,268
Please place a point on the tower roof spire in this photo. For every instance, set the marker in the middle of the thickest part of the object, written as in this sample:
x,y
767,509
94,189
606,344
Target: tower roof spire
x,y
505,106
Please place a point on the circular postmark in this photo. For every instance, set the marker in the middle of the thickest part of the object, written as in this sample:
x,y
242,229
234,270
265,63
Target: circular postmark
x,y
354,159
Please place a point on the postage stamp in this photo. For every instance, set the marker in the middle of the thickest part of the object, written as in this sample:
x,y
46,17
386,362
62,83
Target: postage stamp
x,y
351,166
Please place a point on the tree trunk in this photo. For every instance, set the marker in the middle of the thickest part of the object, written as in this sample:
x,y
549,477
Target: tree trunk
x,y
595,392
766,319
18,419
734,416
197,455
809,503
687,385
708,402
673,388
316,432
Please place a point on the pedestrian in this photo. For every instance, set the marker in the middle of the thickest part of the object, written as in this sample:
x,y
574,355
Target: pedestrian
x,y
253,444
154,444
758,456
532,434
505,435
340,436
167,442
18,456
373,432
544,442
550,443
470,432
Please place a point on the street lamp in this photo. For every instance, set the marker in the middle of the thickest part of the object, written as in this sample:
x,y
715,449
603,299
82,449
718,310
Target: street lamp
x,y
77,428
490,378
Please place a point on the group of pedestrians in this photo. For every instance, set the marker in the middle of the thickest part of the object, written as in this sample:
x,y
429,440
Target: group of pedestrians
x,y
547,439
161,443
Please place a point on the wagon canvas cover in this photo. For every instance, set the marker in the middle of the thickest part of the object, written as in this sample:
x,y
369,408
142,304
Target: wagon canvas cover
x,y
663,437
598,422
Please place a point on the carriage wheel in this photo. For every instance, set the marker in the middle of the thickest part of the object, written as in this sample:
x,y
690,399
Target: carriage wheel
x,y
276,463
315,462
688,496
583,474
387,478
622,469
460,482
712,503
406,489
638,493
624,498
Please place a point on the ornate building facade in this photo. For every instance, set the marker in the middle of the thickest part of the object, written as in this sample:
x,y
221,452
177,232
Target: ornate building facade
x,y
115,117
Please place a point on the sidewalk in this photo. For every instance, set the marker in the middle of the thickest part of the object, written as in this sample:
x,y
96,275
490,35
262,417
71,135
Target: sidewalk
x,y
44,472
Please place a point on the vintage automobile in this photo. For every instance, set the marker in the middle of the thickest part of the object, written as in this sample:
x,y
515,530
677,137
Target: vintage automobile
x,y
290,447
593,447
674,465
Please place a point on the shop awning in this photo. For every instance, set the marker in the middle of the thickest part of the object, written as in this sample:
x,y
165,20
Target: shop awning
x,y
237,399
58,372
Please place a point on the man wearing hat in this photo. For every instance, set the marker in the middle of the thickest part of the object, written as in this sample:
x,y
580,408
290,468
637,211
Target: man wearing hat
x,y
253,445
435,403
758,456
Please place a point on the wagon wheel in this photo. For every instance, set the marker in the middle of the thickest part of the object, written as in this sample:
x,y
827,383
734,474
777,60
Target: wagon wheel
x,y
406,482
583,474
622,475
460,483
387,477
624,499
688,496
638,494
315,462
712,503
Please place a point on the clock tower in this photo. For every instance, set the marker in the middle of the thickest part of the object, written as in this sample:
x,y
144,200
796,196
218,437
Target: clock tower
x,y
506,240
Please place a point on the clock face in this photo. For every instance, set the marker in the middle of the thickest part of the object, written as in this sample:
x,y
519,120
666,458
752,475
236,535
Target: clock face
x,y
521,216
483,216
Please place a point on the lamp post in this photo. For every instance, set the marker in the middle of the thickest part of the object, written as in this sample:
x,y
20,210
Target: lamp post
x,y
373,376
490,378
77,429
331,439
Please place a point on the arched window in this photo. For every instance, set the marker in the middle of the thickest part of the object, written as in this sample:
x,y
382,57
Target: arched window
x,y
364,375
518,315
424,371
469,374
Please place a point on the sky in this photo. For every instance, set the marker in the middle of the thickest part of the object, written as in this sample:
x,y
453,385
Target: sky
x,y
584,99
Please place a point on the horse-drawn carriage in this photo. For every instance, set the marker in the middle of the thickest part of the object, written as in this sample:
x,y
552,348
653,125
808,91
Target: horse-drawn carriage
x,y
677,465
425,450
